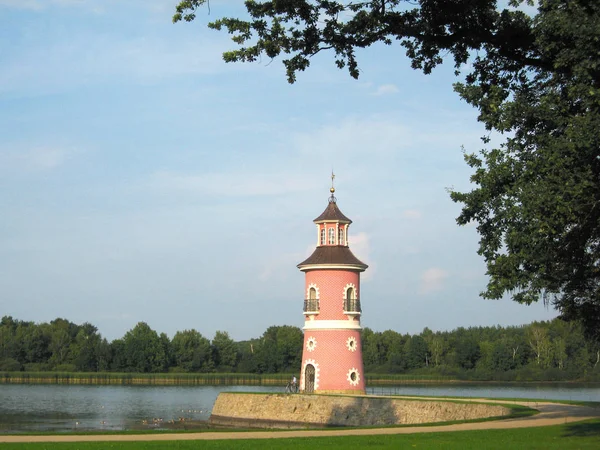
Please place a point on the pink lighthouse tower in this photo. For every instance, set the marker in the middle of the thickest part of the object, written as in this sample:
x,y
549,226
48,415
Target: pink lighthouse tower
x,y
332,354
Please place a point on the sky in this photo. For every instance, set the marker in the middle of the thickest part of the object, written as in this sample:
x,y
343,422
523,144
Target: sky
x,y
144,179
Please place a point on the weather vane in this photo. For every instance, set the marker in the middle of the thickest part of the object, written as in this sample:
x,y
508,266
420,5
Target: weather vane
x,y
332,189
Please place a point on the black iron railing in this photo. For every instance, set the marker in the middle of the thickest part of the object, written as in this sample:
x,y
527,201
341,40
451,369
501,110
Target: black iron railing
x,y
352,305
311,305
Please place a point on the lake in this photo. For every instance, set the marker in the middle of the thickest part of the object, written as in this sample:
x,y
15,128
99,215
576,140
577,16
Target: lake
x,y
63,408
548,391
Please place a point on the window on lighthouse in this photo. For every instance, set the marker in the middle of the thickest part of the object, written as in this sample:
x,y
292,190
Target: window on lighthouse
x,y
350,293
341,240
351,304
312,302
331,236
323,236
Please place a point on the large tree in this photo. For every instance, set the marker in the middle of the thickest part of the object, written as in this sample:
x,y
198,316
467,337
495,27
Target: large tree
x,y
224,351
535,79
143,350
192,351
280,349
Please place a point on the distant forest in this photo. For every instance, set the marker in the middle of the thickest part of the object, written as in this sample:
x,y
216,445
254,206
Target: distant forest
x,y
540,351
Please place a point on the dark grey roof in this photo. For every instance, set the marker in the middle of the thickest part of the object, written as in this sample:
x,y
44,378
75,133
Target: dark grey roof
x,y
333,254
332,212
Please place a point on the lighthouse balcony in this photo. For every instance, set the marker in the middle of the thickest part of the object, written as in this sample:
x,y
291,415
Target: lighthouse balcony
x,y
311,306
352,306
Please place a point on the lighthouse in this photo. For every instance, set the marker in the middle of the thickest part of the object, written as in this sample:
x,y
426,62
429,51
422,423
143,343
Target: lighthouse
x,y
332,353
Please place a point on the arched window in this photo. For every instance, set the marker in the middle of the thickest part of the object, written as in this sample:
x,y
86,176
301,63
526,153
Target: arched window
x,y
341,239
351,302
331,236
323,236
350,293
311,304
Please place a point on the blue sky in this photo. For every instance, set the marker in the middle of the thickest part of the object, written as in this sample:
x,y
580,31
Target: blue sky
x,y
143,179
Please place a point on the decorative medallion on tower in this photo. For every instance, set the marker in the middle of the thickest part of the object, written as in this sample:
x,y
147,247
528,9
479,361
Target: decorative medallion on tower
x,y
332,309
351,344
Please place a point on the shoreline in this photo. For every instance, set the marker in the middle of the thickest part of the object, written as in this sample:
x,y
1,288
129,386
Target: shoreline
x,y
215,379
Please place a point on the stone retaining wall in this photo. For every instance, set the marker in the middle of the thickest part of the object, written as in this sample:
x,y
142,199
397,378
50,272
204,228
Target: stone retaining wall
x,y
300,411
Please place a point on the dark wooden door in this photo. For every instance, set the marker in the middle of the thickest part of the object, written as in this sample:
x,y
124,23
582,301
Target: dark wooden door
x,y
309,379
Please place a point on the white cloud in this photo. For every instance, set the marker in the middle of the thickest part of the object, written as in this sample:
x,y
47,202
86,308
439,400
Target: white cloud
x,y
412,214
230,184
386,89
411,249
35,159
432,280
277,266
38,5
22,4
165,8
364,136
361,247
84,59
266,273
46,158
377,136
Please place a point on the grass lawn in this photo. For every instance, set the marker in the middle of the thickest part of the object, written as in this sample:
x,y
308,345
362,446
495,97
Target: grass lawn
x,y
580,435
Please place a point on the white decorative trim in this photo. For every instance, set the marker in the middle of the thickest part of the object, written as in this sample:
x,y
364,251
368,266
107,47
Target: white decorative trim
x,y
311,344
333,221
359,268
349,324
352,344
356,380
311,285
317,371
350,285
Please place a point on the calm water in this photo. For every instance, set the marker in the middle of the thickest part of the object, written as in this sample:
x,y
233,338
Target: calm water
x,y
547,391
25,408
70,408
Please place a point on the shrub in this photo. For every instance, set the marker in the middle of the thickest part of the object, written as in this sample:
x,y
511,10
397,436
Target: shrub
x,y
10,365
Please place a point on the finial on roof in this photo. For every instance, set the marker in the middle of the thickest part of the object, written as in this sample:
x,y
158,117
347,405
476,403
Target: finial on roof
x,y
332,189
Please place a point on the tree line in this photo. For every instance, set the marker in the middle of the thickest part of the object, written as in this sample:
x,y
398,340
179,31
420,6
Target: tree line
x,y
61,345
554,350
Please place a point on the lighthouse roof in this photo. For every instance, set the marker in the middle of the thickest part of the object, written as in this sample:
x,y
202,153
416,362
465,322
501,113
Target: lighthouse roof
x,y
333,255
332,213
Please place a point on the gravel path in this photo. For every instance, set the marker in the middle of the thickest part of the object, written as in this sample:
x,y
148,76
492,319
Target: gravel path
x,y
550,414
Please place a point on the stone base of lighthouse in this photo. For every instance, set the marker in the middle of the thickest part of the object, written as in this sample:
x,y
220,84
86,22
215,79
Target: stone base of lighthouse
x,y
335,352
